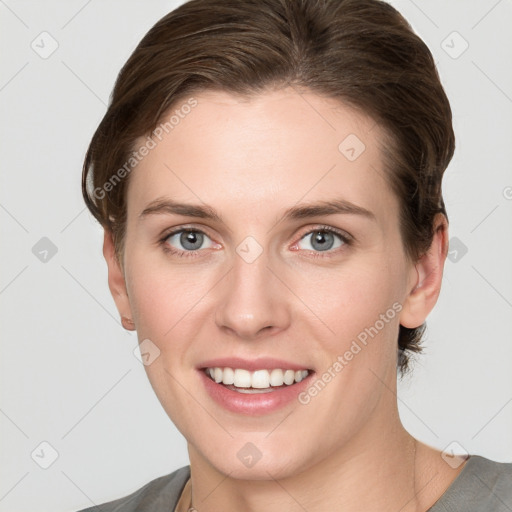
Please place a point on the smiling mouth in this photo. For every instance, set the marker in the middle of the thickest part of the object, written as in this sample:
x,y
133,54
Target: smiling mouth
x,y
259,381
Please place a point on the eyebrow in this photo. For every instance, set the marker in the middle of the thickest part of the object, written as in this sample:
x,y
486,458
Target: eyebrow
x,y
162,206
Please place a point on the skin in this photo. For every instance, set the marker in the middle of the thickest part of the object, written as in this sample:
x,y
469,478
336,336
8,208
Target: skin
x,y
250,160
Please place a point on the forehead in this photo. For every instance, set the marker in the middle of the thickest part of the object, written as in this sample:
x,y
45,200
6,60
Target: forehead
x,y
245,155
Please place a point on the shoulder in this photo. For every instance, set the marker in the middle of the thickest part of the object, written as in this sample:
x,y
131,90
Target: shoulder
x,y
160,494
483,484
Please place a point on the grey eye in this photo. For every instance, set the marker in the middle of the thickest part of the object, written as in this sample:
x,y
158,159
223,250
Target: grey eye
x,y
322,240
190,240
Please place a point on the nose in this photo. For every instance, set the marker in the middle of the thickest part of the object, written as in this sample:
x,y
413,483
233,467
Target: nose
x,y
252,302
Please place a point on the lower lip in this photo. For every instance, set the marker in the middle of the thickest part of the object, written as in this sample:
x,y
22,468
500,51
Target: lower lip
x,y
254,404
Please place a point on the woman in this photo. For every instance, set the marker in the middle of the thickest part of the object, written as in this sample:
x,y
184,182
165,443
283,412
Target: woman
x,y
268,175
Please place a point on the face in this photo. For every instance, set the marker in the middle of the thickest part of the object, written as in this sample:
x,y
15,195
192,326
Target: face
x,y
288,257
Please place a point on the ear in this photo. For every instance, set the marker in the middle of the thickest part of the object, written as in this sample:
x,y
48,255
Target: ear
x,y
425,278
116,282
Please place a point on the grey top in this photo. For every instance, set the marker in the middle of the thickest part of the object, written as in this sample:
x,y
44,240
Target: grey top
x,y
482,486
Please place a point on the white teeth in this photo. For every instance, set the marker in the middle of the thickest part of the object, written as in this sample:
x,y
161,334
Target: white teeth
x,y
259,379
242,378
289,377
300,375
276,377
228,376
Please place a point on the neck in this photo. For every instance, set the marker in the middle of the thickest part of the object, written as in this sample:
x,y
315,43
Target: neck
x,y
383,468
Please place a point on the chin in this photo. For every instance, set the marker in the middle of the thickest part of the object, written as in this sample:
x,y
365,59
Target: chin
x,y
251,463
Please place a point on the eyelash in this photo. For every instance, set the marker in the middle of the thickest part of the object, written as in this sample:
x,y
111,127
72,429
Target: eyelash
x,y
347,241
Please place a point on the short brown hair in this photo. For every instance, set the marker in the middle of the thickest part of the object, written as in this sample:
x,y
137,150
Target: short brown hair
x,y
362,52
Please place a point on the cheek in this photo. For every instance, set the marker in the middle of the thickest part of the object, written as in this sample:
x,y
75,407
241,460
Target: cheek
x,y
352,297
166,298
169,303
360,304
160,300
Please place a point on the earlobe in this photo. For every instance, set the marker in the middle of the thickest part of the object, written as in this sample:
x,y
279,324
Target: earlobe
x,y
117,283
426,276
127,323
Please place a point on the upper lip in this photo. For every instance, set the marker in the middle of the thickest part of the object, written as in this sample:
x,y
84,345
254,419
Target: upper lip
x,y
261,363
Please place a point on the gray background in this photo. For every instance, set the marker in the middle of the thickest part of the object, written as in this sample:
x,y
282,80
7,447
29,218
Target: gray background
x,y
68,373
